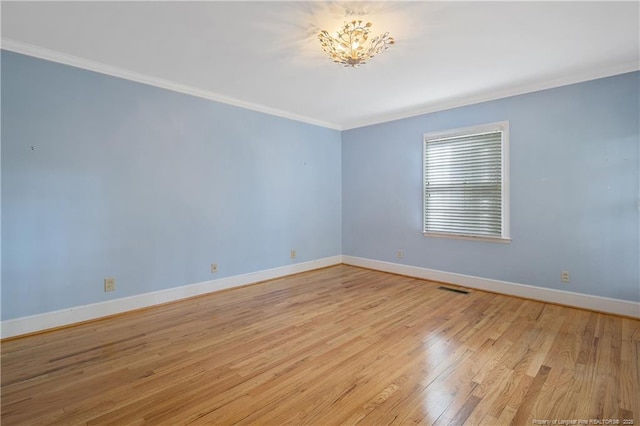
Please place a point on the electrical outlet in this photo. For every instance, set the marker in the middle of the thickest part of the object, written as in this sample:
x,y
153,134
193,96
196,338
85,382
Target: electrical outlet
x,y
109,284
400,254
564,276
293,254
214,268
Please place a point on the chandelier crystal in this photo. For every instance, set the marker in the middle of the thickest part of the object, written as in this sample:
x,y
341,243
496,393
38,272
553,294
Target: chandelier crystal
x,y
349,47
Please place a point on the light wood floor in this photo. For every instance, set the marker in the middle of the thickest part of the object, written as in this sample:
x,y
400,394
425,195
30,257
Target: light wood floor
x,y
340,345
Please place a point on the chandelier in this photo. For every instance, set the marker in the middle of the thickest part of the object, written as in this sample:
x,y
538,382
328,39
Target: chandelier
x,y
349,47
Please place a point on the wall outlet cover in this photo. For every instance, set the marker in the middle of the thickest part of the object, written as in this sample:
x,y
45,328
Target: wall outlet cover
x,y
109,284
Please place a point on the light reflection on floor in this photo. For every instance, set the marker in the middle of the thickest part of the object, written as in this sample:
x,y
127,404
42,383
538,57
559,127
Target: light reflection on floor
x,y
436,397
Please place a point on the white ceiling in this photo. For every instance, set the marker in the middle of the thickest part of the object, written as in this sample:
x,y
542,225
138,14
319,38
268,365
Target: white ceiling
x,y
266,56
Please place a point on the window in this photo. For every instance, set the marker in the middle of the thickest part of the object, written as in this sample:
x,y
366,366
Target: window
x,y
466,183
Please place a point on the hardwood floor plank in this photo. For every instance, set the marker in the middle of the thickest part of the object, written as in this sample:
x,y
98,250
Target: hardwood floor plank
x,y
336,346
524,413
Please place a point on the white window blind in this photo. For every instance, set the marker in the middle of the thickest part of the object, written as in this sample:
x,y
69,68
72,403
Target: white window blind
x,y
465,182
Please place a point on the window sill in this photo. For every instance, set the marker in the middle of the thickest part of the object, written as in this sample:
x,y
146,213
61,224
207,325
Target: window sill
x,y
468,237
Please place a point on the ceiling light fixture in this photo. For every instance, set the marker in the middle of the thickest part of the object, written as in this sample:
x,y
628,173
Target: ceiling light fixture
x,y
348,46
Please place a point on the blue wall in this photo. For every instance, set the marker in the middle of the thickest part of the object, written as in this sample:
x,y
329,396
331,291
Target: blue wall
x,y
574,190
106,177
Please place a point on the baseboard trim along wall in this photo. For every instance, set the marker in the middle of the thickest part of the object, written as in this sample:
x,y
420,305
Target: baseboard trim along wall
x,y
584,301
63,317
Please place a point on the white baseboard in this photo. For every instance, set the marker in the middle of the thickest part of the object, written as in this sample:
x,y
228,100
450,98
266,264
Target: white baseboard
x,y
63,317
584,301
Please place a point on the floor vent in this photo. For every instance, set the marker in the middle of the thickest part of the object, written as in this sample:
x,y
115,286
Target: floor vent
x,y
455,290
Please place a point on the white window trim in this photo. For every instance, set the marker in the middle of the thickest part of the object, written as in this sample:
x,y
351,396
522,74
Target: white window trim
x,y
483,128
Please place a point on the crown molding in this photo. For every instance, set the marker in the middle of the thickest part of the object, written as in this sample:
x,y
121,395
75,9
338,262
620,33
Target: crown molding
x,y
99,67
537,86
564,80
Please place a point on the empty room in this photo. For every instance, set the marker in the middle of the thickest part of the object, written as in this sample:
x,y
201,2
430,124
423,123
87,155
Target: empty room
x,y
322,213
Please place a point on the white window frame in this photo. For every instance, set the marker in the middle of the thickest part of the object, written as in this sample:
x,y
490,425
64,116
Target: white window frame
x,y
502,126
